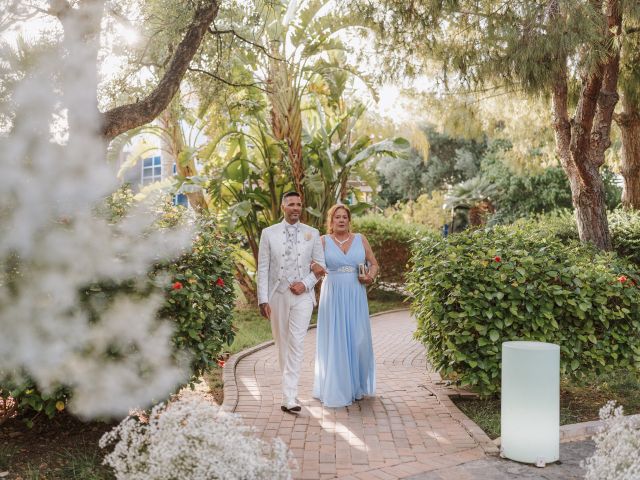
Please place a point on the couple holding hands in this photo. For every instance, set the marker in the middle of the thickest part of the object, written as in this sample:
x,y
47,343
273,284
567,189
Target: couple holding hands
x,y
291,259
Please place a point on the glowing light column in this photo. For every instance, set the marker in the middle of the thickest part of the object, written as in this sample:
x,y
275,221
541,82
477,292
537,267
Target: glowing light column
x,y
530,407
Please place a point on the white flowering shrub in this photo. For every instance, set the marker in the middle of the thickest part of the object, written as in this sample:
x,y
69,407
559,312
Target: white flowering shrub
x,y
53,245
617,455
192,439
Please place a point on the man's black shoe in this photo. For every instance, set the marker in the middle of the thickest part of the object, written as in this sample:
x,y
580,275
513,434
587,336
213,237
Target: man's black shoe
x,y
291,408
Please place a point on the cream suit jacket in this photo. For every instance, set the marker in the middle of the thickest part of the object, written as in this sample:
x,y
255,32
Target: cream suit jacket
x,y
271,253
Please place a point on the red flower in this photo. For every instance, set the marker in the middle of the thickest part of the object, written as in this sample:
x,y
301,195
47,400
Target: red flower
x,y
221,363
220,282
497,259
622,279
176,286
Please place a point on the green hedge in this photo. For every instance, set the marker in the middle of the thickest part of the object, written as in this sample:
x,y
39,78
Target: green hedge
x,y
625,233
199,299
391,242
475,290
624,226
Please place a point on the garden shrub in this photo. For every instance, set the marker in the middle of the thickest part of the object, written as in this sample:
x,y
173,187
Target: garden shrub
x,y
201,297
28,398
475,290
624,227
560,224
198,301
390,241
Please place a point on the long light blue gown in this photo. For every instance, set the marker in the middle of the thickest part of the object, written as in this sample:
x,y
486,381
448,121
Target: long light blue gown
x,y
345,365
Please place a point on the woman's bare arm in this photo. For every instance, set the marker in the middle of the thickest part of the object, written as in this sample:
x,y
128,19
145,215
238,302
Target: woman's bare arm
x,y
316,268
374,268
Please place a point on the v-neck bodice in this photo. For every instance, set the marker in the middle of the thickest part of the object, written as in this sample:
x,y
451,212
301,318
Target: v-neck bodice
x,y
336,258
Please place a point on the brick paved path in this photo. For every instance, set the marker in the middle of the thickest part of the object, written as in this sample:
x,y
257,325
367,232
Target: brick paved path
x,y
408,428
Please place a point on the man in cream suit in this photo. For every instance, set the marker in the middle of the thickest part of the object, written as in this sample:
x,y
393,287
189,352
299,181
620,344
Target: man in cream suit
x,y
285,289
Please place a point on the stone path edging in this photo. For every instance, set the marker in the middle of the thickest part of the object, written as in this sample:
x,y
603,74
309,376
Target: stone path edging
x,y
230,387
469,425
579,431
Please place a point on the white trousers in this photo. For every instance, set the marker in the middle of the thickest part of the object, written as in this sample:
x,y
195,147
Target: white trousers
x,y
290,317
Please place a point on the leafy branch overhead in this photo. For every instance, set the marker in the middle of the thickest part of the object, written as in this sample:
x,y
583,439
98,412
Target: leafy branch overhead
x,y
126,117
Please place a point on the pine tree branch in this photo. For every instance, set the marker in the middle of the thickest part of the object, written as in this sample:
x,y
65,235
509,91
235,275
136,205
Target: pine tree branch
x,y
126,117
215,31
583,120
608,98
227,82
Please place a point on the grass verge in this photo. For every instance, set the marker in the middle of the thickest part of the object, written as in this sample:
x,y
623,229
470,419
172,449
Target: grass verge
x,y
63,448
579,401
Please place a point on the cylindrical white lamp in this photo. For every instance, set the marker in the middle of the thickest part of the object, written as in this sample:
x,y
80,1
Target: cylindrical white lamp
x,y
530,406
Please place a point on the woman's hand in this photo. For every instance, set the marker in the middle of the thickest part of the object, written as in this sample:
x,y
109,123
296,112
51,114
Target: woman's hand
x,y
365,279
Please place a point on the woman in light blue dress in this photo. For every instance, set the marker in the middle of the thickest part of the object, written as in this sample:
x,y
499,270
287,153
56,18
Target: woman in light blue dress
x,y
345,365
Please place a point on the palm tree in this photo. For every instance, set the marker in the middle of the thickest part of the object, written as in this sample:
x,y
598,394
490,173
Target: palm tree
x,y
474,195
247,180
333,149
299,36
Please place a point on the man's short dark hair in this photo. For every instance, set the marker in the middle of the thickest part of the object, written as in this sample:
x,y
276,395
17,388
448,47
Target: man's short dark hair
x,y
292,193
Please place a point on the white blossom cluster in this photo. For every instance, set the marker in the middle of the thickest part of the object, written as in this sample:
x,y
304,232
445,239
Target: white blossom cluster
x,y
617,455
192,439
52,244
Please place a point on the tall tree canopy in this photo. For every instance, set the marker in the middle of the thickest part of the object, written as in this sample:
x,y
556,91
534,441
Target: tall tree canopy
x,y
566,50
86,19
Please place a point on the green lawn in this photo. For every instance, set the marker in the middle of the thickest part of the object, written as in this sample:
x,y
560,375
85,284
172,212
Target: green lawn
x,y
251,329
579,401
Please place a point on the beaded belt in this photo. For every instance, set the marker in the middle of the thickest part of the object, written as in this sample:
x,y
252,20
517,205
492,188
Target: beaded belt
x,y
344,269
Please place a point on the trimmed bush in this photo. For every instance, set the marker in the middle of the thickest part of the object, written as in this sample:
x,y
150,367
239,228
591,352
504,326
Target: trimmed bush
x,y
625,233
560,224
391,242
475,290
198,300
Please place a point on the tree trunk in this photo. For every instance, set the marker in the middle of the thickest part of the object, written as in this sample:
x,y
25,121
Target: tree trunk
x,y
590,209
629,123
582,141
479,213
126,117
246,283
587,188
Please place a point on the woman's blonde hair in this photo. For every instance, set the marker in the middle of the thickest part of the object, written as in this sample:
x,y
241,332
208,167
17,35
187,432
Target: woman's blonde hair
x,y
332,211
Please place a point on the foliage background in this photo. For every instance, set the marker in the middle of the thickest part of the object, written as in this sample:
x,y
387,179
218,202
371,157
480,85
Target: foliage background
x,y
199,306
477,289
391,242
